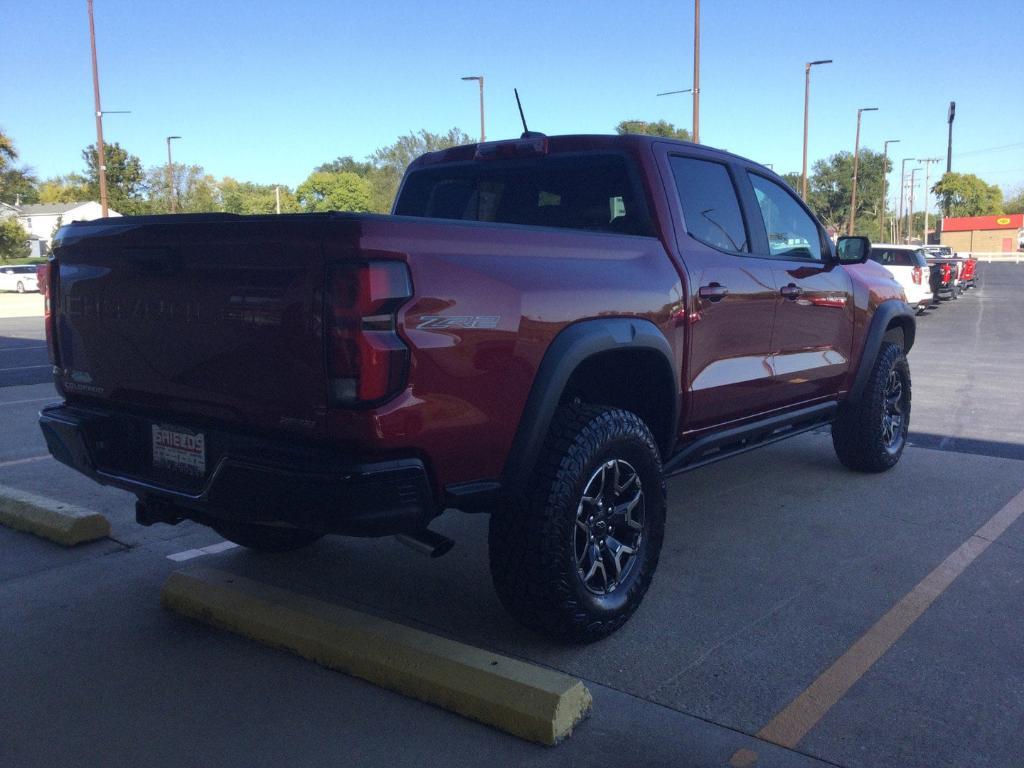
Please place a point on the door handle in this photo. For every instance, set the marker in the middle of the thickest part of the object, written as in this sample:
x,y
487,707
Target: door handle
x,y
713,292
791,291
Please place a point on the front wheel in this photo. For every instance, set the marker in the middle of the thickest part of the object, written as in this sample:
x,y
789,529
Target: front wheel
x,y
21,287
573,556
869,435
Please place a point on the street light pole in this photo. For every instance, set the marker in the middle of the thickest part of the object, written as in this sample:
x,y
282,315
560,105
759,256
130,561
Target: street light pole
x,y
910,224
170,176
696,71
885,173
101,160
807,98
856,158
903,187
481,79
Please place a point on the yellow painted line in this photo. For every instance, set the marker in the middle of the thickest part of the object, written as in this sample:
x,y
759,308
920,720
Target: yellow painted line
x,y
63,523
527,701
790,725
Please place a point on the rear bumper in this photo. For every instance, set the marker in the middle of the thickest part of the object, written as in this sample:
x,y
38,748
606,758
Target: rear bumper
x,y
249,479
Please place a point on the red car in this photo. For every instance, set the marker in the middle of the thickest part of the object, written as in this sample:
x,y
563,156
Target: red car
x,y
545,330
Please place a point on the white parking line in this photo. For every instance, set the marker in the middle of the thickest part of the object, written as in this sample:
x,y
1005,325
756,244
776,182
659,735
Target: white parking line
x,y
27,460
213,549
52,398
25,368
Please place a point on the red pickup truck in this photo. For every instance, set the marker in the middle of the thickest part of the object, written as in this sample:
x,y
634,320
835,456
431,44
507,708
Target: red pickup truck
x,y
544,330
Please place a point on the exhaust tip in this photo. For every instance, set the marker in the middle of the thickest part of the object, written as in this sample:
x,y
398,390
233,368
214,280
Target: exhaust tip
x,y
427,542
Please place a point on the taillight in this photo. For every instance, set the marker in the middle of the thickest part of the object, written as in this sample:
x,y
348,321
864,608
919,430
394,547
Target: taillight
x,y
916,275
947,273
47,278
367,361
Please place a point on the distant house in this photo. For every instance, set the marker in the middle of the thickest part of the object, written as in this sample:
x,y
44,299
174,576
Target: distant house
x,y
41,220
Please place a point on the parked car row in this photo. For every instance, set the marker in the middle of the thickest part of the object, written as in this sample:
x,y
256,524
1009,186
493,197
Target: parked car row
x,y
21,278
928,274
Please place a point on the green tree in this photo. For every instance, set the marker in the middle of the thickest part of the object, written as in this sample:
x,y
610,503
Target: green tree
x,y
195,190
345,164
334,192
794,180
247,197
16,183
1015,202
390,162
659,128
8,154
71,188
13,240
125,178
830,185
964,194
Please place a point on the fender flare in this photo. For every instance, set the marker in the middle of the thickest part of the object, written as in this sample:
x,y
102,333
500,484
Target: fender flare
x,y
883,316
570,348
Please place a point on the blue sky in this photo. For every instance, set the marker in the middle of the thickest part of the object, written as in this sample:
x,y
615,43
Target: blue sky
x,y
265,91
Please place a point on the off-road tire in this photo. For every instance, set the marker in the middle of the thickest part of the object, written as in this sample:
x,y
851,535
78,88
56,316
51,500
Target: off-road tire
x,y
265,538
532,549
858,432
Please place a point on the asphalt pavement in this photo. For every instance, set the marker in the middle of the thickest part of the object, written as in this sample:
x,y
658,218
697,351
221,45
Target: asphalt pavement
x,y
776,565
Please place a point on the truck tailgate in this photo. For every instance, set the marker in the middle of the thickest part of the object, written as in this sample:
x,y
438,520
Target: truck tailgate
x,y
214,320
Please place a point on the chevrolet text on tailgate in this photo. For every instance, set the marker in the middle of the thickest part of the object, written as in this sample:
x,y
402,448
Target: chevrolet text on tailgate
x,y
544,330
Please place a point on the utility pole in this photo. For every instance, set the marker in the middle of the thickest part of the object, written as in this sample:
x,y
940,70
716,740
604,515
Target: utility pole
x,y
903,189
910,223
696,71
277,200
927,168
101,160
170,176
885,173
951,115
856,158
807,98
480,78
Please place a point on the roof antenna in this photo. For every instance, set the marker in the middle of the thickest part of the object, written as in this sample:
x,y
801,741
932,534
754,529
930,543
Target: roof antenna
x,y
527,133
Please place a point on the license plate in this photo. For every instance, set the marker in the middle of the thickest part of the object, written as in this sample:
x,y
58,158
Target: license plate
x,y
179,449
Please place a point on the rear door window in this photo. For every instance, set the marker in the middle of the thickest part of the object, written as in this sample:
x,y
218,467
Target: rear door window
x,y
711,208
894,257
592,191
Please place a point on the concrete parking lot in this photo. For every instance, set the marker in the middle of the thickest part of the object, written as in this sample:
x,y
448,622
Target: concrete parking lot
x,y
775,565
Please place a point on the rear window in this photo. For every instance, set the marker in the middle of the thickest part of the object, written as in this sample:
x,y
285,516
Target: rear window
x,y
709,202
894,257
593,192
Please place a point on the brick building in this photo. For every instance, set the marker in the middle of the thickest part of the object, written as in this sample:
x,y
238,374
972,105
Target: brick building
x,y
983,234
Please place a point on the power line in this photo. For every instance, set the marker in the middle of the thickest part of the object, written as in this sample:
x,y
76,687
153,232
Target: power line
x,y
989,149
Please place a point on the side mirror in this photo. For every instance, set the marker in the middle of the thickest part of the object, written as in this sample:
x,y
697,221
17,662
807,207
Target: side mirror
x,y
853,250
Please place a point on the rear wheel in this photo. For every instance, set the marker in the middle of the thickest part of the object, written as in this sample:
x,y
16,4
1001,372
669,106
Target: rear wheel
x,y
265,538
870,434
573,556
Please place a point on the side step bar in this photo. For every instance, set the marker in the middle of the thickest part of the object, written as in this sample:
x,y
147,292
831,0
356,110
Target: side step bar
x,y
731,442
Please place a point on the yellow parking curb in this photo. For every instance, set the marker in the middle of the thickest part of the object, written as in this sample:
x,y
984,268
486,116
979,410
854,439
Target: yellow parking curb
x,y
63,523
531,702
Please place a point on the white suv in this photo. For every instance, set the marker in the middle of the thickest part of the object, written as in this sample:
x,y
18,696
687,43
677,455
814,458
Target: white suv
x,y
909,267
